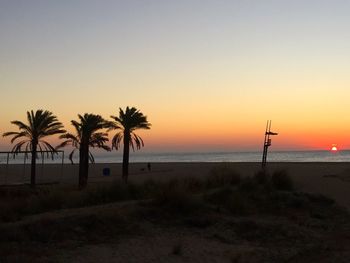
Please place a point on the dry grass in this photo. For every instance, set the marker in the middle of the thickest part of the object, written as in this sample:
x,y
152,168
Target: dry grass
x,y
227,212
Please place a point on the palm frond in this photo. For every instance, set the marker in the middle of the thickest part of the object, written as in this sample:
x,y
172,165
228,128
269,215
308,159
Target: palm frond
x,y
138,141
9,133
17,147
127,122
69,136
39,125
49,148
17,135
86,134
70,156
63,144
106,148
91,157
21,126
98,139
117,139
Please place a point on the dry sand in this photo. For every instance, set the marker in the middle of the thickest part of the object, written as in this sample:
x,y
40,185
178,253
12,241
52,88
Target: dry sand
x,y
331,179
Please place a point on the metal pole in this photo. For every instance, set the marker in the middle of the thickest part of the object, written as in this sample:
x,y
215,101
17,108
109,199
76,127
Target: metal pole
x,y
24,168
42,166
62,165
7,167
265,146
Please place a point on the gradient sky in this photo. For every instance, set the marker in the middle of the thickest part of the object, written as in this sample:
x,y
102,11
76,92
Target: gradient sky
x,y
208,74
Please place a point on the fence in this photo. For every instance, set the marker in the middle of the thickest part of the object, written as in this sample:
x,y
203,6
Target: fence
x,y
15,167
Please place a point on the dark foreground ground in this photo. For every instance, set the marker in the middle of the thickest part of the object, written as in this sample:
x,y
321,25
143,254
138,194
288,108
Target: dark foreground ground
x,y
223,220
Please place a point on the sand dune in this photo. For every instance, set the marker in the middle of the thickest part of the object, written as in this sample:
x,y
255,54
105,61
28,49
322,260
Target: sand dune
x,y
331,179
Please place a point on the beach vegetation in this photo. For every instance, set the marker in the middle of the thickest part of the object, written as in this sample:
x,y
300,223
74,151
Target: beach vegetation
x,y
223,174
267,235
177,249
249,185
176,198
32,136
230,199
262,176
228,214
185,196
282,181
126,124
87,134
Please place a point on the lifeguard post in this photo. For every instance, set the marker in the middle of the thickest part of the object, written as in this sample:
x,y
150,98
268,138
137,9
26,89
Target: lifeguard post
x,y
267,142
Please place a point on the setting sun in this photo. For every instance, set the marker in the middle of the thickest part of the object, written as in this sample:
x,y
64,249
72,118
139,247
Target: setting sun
x,y
334,148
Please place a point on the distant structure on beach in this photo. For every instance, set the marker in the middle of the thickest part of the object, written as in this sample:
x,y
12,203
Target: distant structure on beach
x,y
267,142
14,167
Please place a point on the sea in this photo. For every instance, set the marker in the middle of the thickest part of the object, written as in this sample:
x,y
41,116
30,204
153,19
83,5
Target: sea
x,y
152,157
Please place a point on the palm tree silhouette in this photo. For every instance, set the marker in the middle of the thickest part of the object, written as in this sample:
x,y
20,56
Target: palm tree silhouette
x,y
40,125
86,136
127,122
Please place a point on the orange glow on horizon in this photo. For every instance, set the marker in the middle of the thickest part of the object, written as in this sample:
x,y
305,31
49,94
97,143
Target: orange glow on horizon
x,y
231,131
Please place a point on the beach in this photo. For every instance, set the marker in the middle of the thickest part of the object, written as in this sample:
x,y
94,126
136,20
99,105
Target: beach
x,y
329,178
142,231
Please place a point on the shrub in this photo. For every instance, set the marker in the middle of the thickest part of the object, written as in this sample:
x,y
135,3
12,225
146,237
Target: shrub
x,y
17,192
177,249
237,204
202,222
223,175
193,184
12,210
177,199
117,191
262,176
233,200
149,188
320,199
219,196
282,181
248,184
46,202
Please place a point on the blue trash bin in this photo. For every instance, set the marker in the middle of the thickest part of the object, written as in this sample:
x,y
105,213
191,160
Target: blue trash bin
x,y
106,172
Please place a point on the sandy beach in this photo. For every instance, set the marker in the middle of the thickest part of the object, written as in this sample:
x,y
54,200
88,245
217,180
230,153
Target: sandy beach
x,y
330,179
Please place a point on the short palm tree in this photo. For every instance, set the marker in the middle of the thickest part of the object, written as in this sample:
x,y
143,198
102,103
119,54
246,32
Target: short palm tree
x,y
87,135
41,124
126,124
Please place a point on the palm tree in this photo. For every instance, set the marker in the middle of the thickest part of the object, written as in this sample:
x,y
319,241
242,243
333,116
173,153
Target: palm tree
x,y
40,125
127,122
86,136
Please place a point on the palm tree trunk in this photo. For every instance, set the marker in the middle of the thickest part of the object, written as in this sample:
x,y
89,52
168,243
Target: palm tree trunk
x,y
81,167
126,158
83,164
33,165
86,166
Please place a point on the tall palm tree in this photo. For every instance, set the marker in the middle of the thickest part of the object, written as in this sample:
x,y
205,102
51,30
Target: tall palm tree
x,y
41,124
126,124
87,135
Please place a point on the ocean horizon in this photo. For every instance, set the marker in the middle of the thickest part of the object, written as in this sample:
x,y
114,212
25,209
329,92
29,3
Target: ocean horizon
x,y
154,157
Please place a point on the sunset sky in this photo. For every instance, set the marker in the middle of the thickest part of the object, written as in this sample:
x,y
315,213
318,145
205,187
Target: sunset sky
x,y
207,73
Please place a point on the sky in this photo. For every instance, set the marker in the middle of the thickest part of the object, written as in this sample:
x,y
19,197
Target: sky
x,y
207,73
